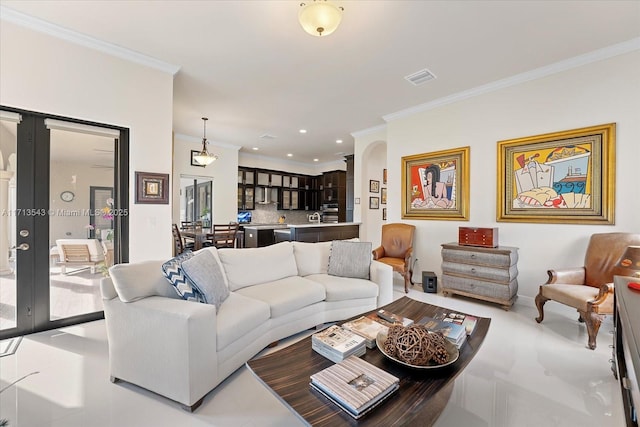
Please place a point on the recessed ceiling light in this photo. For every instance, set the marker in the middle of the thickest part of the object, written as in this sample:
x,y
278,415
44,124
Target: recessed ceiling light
x,y
303,131
338,141
255,148
315,160
289,155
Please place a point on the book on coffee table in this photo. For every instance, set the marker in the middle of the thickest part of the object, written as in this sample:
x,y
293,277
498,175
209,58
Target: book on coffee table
x,y
355,385
336,343
454,332
388,318
367,328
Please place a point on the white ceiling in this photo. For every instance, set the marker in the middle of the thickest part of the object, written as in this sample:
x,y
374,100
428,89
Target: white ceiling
x,y
250,68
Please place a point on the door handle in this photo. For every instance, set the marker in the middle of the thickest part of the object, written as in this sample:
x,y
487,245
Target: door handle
x,y
21,247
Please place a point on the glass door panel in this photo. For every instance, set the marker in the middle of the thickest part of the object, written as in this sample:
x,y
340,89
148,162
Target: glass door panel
x,y
8,279
81,213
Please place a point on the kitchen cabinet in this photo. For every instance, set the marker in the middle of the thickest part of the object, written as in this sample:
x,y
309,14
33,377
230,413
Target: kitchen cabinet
x,y
246,176
246,197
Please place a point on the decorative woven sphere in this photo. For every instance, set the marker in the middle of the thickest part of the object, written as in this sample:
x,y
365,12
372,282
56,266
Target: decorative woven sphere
x,y
415,345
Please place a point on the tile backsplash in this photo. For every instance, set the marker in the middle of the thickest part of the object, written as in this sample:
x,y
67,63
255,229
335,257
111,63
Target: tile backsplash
x,y
268,214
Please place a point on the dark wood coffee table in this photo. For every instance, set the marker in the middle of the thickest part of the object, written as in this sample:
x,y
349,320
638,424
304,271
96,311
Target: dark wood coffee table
x,y
422,396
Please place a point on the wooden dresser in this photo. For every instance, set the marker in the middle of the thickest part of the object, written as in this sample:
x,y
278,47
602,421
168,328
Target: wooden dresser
x,y
489,274
626,346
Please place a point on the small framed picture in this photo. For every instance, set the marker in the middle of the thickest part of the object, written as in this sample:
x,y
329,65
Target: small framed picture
x,y
152,188
356,201
384,176
374,186
383,195
193,161
374,202
384,214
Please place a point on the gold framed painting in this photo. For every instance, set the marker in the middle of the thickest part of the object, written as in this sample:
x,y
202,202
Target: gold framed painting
x,y
561,177
436,185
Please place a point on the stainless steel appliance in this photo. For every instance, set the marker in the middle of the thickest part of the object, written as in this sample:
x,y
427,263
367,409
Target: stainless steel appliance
x,y
329,212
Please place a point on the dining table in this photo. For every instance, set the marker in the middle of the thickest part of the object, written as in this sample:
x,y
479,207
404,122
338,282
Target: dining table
x,y
199,236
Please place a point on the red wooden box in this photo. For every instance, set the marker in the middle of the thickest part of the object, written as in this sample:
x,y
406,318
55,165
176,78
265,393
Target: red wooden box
x,y
484,237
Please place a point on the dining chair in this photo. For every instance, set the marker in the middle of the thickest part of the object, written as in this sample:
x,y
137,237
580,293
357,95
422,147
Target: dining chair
x,y
223,235
190,225
179,244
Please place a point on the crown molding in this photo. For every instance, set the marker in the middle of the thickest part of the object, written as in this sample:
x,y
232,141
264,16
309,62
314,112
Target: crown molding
x,y
558,67
369,131
27,21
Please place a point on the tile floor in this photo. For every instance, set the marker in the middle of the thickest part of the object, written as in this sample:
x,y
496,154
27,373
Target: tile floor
x,y
524,375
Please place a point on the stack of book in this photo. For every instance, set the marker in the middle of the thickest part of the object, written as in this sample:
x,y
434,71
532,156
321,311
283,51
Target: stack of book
x,y
454,332
336,343
367,328
388,318
355,385
466,320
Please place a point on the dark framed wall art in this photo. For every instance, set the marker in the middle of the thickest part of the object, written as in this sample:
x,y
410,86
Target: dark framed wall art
x,y
152,188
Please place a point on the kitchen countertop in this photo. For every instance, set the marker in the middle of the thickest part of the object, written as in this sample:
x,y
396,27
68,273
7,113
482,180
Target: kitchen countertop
x,y
265,226
322,224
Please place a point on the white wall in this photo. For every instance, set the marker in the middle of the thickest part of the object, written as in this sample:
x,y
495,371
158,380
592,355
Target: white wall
x,y
597,93
369,159
224,173
46,74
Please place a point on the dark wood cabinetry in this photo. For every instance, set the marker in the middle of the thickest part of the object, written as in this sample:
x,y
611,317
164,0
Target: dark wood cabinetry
x,y
334,196
288,191
246,189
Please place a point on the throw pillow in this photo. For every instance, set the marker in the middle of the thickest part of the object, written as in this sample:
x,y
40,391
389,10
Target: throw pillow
x,y
172,270
205,273
350,259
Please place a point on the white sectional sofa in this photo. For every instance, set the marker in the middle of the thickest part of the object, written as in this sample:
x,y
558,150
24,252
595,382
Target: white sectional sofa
x,y
183,349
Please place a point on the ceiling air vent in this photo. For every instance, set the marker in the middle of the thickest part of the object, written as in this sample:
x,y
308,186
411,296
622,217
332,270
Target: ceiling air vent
x,y
420,77
267,136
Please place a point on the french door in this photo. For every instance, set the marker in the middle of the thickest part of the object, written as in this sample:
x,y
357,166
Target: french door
x,y
52,254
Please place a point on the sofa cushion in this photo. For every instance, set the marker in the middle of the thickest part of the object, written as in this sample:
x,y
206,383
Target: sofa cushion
x,y
246,267
172,270
312,258
205,273
350,259
342,288
286,295
140,280
237,317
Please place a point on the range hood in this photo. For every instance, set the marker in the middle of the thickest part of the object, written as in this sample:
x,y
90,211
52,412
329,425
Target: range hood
x,y
264,195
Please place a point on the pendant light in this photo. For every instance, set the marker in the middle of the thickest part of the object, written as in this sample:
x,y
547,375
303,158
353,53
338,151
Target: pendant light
x,y
204,158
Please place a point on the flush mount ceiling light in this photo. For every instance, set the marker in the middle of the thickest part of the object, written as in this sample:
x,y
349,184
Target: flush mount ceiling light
x,y
320,17
204,158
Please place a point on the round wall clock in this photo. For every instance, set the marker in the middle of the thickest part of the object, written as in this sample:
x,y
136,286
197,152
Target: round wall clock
x,y
67,196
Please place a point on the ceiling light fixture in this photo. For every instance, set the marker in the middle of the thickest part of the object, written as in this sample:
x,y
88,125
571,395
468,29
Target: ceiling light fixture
x,y
204,158
289,155
320,17
303,131
338,141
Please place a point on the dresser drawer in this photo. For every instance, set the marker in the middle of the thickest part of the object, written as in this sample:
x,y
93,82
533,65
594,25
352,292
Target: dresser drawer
x,y
481,288
499,275
494,258
483,237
